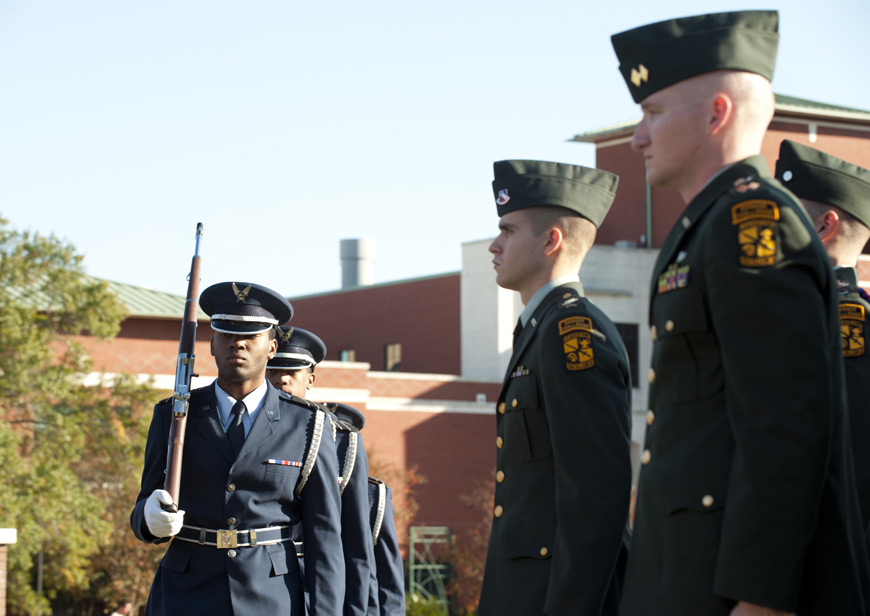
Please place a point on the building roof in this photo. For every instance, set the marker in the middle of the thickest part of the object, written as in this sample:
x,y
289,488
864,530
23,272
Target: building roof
x,y
142,302
785,105
374,286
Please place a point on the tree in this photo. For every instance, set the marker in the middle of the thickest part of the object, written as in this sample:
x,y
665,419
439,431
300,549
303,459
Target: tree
x,y
67,451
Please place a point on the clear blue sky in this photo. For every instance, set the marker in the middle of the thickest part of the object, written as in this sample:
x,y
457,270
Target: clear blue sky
x,y
287,126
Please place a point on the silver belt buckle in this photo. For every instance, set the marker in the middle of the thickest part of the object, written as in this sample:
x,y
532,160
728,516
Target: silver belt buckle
x,y
227,539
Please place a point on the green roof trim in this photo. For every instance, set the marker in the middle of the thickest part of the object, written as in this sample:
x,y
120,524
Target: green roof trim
x,y
142,302
784,105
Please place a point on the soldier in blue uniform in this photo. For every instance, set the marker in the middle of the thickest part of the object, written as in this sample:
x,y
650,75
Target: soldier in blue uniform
x,y
292,371
258,469
563,477
746,499
836,195
387,594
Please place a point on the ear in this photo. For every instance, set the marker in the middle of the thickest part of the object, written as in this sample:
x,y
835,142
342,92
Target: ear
x,y
273,348
720,113
554,241
311,378
211,344
827,225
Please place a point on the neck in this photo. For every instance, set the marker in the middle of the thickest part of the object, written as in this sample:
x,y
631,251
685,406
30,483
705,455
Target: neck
x,y
240,389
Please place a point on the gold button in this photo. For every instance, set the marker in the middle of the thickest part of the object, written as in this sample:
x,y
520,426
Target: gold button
x,y
544,551
514,403
498,511
499,476
501,407
652,375
499,441
655,333
231,521
231,487
707,501
232,553
650,418
566,296
646,457
669,325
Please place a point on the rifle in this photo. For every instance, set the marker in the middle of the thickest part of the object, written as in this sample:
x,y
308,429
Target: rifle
x,y
183,375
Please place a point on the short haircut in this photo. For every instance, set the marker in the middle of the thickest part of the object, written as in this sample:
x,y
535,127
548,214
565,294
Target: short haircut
x,y
851,230
579,232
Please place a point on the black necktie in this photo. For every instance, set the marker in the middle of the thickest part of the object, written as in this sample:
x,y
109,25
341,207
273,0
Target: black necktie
x,y
236,431
518,329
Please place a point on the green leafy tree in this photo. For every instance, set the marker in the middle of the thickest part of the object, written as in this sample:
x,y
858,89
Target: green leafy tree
x,y
67,451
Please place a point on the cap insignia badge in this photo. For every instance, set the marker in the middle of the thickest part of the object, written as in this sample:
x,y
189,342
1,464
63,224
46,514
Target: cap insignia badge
x,y
285,338
503,197
639,75
241,295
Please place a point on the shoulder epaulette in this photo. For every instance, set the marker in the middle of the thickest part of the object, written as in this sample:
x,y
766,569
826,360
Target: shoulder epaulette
x,y
381,507
308,404
313,448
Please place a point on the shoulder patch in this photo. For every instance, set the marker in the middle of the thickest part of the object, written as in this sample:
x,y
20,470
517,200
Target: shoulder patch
x,y
576,335
852,329
756,231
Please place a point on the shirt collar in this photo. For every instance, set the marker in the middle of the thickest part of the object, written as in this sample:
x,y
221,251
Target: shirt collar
x,y
253,402
541,293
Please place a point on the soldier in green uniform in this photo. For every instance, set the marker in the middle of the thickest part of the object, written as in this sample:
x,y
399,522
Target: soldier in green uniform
x,y
836,195
746,501
563,476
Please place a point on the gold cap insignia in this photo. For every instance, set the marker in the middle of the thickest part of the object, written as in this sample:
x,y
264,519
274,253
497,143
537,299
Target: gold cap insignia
x,y
639,75
241,295
285,337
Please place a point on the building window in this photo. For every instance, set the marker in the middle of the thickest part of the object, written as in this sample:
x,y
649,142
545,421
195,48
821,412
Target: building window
x,y
628,332
348,355
393,357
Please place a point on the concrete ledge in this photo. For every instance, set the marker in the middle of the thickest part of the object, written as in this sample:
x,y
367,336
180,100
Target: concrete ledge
x,y
8,535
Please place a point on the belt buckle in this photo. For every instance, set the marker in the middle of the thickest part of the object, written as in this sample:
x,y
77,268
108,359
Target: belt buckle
x,y
227,539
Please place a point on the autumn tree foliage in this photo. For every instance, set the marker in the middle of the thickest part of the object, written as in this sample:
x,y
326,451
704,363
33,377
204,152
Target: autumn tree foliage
x,y
70,450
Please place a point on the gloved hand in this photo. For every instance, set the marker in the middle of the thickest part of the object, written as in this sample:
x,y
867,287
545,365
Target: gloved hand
x,y
162,523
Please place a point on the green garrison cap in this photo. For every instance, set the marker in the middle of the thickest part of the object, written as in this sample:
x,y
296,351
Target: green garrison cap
x,y
658,55
521,184
817,176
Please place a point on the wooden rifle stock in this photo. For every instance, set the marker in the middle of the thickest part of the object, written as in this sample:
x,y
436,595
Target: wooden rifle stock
x,y
183,375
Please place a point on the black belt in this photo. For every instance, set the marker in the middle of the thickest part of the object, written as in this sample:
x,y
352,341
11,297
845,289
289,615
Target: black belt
x,y
225,539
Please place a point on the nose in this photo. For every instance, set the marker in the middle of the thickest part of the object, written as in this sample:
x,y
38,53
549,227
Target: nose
x,y
640,139
494,247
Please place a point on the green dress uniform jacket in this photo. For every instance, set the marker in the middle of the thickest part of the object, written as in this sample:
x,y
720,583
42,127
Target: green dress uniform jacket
x,y
563,477
746,490
854,309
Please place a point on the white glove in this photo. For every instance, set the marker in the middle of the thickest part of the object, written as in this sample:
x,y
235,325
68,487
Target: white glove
x,y
162,523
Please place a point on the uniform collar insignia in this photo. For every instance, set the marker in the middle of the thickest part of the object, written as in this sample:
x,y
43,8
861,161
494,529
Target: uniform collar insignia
x,y
241,295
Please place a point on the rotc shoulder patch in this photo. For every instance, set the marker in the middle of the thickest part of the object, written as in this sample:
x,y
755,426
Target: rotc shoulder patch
x,y
576,335
852,329
756,231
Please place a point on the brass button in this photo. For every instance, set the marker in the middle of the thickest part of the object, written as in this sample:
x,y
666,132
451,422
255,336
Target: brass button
x,y
652,375
655,333
498,511
566,296
646,457
669,325
514,403
499,476
231,487
501,407
499,441
231,553
650,418
231,521
544,551
707,501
